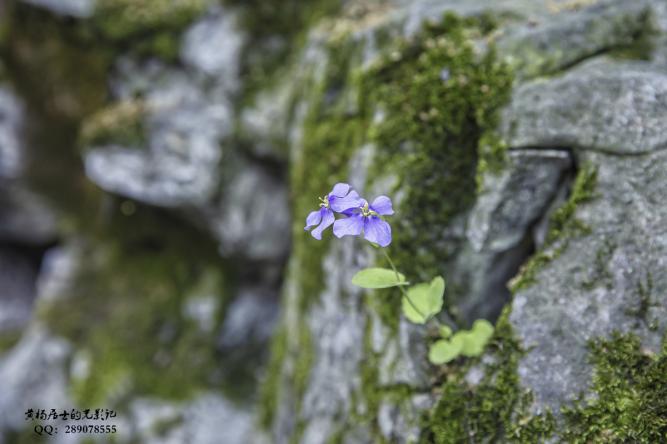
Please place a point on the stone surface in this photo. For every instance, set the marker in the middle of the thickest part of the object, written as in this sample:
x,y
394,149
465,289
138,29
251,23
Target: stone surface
x,y
178,162
208,419
33,374
25,217
73,8
212,46
11,126
251,218
545,45
605,106
516,198
338,325
179,134
250,318
17,280
600,282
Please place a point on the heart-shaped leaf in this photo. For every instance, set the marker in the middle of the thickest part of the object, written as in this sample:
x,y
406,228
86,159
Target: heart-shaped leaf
x,y
444,350
378,278
445,331
482,329
425,301
471,346
476,339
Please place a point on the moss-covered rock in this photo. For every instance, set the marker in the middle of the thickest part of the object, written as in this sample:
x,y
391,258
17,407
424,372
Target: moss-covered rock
x,y
628,404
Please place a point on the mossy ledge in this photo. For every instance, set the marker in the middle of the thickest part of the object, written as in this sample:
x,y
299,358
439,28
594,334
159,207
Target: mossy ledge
x,y
630,388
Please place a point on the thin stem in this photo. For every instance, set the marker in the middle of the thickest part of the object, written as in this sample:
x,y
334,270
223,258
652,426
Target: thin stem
x,y
405,293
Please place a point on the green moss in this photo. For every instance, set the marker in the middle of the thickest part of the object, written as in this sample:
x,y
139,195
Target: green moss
x,y
630,402
432,135
24,436
120,123
600,273
8,339
333,129
440,101
563,226
122,19
645,299
127,311
150,27
275,30
643,42
270,390
303,359
496,409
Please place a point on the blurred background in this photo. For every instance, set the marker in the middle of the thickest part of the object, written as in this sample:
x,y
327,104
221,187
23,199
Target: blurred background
x,y
144,224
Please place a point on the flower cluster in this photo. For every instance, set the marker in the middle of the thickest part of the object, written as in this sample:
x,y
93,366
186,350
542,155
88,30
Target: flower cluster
x,y
359,216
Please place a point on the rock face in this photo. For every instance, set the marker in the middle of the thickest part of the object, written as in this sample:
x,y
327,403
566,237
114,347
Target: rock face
x,y
523,146
628,100
570,222
622,250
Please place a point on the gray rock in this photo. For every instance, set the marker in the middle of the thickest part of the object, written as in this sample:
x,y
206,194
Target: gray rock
x,y
548,44
74,8
18,273
250,318
515,199
207,419
610,279
266,123
212,46
252,216
179,161
338,326
11,141
610,107
25,217
33,376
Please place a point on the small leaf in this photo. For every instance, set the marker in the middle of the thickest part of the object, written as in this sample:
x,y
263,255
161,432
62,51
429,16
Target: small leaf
x,y
444,350
445,332
378,278
427,300
483,329
471,346
475,340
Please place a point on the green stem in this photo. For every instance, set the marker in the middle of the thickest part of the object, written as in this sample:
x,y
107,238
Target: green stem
x,y
405,293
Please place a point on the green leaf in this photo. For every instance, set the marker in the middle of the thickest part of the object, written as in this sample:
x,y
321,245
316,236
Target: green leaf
x,y
471,347
427,300
445,332
378,278
475,340
444,350
483,329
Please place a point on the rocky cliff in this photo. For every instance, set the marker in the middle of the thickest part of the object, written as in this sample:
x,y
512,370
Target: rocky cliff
x,y
158,160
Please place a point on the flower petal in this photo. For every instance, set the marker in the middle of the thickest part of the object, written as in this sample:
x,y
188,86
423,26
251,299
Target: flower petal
x,y
313,219
327,220
340,190
377,231
340,204
352,211
382,206
350,226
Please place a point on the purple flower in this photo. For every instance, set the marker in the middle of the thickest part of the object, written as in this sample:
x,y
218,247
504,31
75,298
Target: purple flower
x,y
340,199
366,218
